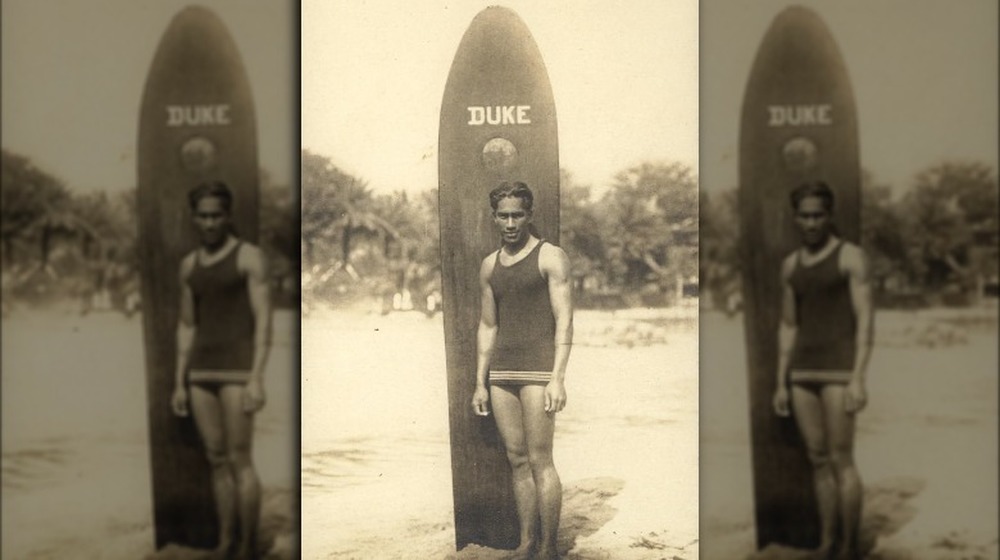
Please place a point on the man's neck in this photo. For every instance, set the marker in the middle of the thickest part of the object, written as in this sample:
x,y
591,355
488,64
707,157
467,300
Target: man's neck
x,y
515,248
820,246
214,248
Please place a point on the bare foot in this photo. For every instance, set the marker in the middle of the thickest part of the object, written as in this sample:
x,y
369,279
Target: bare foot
x,y
522,552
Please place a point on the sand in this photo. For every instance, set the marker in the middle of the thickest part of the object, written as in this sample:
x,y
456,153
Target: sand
x,y
376,465
926,445
76,478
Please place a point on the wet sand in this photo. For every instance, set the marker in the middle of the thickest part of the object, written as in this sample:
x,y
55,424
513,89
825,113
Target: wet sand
x,y
376,463
76,478
926,445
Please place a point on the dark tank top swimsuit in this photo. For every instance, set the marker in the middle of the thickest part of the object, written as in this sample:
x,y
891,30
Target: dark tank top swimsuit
x,y
825,342
224,336
525,345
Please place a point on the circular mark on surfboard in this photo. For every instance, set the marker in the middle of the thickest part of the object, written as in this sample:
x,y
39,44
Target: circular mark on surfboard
x,y
198,154
499,154
800,154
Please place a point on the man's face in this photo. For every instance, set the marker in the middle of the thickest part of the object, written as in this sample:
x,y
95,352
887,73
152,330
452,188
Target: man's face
x,y
212,220
512,219
813,221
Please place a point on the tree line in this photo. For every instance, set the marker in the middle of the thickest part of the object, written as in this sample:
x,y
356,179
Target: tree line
x,y
932,243
635,243
59,243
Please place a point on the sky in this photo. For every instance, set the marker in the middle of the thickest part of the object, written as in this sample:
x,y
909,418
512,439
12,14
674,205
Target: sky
x,y
924,74
625,83
73,76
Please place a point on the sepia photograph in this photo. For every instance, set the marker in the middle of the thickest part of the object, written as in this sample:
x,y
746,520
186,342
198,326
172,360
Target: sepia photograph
x,y
150,280
500,280
849,247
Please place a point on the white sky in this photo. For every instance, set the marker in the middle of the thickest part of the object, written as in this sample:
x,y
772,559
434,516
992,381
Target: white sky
x,y
74,71
624,76
924,74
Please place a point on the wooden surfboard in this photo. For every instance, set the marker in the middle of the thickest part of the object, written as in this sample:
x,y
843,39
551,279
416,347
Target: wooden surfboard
x,y
196,123
498,123
798,123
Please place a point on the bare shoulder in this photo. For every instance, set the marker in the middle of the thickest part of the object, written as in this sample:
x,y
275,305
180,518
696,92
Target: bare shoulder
x,y
788,264
251,258
486,267
853,259
187,264
552,258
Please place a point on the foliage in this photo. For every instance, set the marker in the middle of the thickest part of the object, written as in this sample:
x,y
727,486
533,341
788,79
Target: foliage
x,y
940,236
650,224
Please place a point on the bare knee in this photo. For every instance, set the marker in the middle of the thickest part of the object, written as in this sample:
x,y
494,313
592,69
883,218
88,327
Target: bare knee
x,y
820,459
540,459
518,458
842,459
218,458
239,456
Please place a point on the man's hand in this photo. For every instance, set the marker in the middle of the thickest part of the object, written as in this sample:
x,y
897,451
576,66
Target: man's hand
x,y
780,402
555,396
179,401
855,397
253,396
480,401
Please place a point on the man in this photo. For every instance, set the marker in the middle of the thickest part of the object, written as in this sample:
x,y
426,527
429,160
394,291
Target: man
x,y
825,338
524,337
222,347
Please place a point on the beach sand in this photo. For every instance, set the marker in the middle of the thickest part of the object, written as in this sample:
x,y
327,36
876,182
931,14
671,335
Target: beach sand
x,y
926,445
76,477
376,480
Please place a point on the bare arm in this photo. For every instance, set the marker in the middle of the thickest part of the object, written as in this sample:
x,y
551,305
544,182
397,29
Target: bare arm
x,y
185,324
487,333
555,264
855,263
255,266
788,326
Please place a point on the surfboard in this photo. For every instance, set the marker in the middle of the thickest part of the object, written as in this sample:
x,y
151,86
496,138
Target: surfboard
x,y
798,123
196,123
498,123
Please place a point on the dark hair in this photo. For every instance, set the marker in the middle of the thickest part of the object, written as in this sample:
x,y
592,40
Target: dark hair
x,y
818,189
515,189
214,189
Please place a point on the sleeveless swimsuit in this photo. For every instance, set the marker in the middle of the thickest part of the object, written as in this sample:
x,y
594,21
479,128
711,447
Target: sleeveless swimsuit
x,y
223,346
825,343
525,344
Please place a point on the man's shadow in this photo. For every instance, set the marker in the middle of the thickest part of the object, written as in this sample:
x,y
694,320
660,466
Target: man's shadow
x,y
886,511
585,509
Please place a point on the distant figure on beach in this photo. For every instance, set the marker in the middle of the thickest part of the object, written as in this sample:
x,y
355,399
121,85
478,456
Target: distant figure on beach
x,y
524,339
825,339
223,338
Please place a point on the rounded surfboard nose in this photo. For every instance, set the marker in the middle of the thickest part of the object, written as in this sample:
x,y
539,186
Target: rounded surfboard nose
x,y
798,124
498,123
196,124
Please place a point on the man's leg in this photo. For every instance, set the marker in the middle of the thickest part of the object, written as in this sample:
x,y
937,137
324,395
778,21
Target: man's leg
x,y
207,411
808,409
539,427
239,440
840,428
507,411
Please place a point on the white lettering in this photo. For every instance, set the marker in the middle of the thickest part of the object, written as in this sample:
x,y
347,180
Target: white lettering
x,y
491,117
498,115
799,115
522,117
477,116
198,115
508,114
